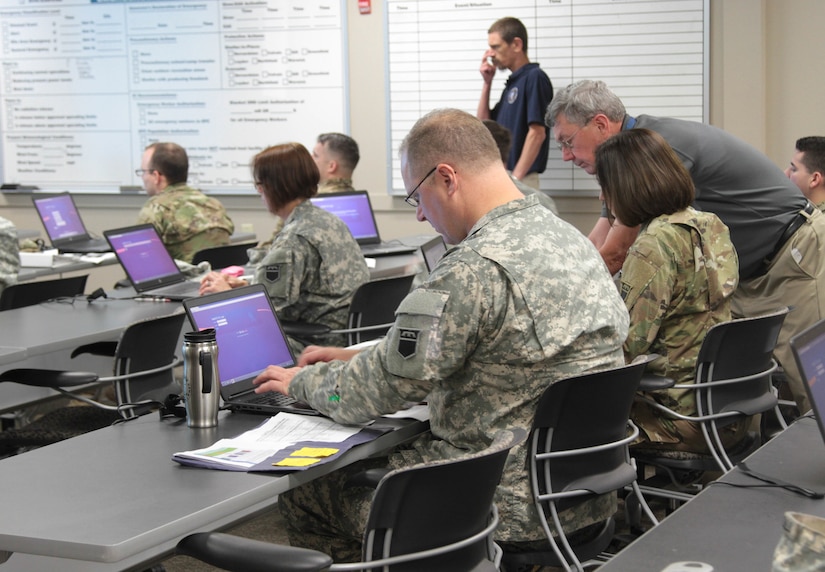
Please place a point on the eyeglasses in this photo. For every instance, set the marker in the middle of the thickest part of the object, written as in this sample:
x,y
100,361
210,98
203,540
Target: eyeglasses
x,y
568,143
141,172
413,201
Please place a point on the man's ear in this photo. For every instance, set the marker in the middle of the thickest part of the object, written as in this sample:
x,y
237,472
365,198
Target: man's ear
x,y
518,44
332,166
817,180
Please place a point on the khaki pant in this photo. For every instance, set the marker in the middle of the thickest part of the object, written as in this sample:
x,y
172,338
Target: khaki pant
x,y
795,278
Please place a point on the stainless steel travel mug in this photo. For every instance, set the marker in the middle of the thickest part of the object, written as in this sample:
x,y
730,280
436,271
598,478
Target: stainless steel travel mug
x,y
201,383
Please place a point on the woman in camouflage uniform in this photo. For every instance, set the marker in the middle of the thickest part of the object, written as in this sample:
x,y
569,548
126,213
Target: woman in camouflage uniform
x,y
677,279
314,265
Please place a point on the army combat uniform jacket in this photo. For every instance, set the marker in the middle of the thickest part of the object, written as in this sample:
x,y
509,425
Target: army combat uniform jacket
x,y
677,282
523,301
313,269
9,257
187,220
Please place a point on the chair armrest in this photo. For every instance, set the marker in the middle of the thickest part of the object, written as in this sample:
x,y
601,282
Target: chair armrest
x,y
97,348
238,554
49,377
304,329
367,478
652,382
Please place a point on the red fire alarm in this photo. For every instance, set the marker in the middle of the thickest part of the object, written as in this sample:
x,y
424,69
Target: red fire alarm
x,y
365,6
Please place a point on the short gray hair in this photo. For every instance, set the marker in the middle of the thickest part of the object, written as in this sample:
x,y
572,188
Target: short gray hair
x,y
449,136
582,101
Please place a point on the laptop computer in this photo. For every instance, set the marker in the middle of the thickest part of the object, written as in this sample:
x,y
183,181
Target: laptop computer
x,y
249,338
432,251
65,228
808,348
355,209
148,265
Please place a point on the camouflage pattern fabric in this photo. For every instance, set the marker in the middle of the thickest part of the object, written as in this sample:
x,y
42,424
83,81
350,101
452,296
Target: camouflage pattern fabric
x,y
544,198
187,220
9,254
677,282
313,269
801,547
523,301
821,206
330,186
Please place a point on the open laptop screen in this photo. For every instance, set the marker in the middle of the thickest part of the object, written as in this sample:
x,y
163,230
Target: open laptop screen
x,y
248,334
355,210
142,254
60,217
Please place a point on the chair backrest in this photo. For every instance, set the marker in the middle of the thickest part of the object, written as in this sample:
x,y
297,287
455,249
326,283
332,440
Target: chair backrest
x,y
223,256
428,506
146,345
589,410
375,303
739,349
31,293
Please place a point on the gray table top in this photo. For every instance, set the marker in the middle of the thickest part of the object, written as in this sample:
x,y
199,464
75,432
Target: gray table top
x,y
737,528
114,499
55,326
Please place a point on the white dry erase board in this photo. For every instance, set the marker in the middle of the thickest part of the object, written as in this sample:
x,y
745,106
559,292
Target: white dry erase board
x,y
653,54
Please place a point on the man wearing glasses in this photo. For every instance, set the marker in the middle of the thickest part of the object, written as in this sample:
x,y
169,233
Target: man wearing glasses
x,y
185,218
523,102
520,301
777,232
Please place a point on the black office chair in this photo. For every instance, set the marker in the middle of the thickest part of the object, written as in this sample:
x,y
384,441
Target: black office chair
x,y
436,517
578,450
31,293
371,312
144,359
223,256
732,383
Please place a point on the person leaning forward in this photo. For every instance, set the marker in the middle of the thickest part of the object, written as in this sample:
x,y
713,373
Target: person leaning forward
x,y
777,232
480,340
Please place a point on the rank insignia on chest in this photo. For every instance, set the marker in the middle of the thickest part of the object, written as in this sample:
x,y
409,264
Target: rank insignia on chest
x,y
625,290
272,272
407,342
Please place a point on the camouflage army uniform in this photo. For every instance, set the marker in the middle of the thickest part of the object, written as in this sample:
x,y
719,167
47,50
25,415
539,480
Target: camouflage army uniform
x,y
801,547
313,269
545,199
330,186
9,257
521,302
821,206
187,220
677,282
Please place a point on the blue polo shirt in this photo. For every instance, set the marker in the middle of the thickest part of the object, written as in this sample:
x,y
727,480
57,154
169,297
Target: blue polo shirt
x,y
526,95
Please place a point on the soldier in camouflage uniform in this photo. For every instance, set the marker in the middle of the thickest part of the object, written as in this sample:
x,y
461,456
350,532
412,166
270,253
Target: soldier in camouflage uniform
x,y
677,279
336,156
186,219
521,301
9,255
807,169
314,265
802,545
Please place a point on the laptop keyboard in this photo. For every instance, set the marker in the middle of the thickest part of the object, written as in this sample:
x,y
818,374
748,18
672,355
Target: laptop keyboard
x,y
271,398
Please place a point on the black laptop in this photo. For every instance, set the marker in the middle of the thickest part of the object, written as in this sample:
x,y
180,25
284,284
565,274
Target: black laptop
x,y
65,228
355,209
808,349
249,338
148,265
432,251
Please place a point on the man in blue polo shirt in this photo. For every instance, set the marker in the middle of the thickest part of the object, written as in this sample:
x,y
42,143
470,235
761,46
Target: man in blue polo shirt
x,y
524,101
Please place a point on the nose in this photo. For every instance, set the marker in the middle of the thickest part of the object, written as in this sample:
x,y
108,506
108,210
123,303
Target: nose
x,y
788,172
419,214
567,154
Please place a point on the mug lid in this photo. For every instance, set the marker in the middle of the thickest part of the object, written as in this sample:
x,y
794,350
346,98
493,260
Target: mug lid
x,y
205,335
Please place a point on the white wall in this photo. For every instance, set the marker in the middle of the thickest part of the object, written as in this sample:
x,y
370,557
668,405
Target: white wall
x,y
766,86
